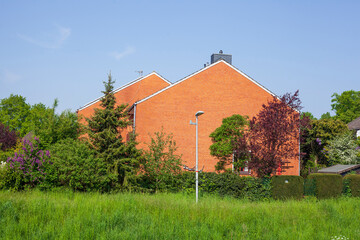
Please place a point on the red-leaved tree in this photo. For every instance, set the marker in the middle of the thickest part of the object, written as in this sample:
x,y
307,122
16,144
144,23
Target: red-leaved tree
x,y
273,138
8,138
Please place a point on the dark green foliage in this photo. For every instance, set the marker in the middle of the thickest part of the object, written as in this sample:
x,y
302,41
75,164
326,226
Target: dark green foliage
x,y
229,142
76,167
352,184
105,127
287,187
327,185
309,187
315,140
223,184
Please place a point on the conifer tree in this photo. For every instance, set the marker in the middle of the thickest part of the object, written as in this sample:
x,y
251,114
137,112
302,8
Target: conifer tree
x,y
105,127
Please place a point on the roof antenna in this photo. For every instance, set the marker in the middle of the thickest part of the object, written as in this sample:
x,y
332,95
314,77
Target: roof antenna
x,y
140,72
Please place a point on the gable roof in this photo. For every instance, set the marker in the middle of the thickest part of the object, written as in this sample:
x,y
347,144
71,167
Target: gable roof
x,y
125,86
203,69
355,124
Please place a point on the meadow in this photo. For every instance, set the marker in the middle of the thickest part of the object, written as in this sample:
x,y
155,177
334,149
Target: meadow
x,y
69,215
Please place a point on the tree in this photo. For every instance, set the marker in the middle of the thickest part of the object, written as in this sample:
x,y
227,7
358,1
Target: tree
x,y
229,142
346,105
308,114
326,116
343,150
8,138
51,127
105,127
14,112
161,162
75,166
318,137
274,134
42,121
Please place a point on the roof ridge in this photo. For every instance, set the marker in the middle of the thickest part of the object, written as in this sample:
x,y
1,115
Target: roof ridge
x,y
199,71
123,87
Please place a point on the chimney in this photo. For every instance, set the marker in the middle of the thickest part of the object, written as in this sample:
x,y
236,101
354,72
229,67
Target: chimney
x,y
220,56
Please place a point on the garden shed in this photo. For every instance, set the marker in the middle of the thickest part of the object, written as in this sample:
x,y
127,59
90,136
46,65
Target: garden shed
x,y
341,169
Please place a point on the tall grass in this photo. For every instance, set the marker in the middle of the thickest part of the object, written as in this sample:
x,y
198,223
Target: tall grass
x,y
38,215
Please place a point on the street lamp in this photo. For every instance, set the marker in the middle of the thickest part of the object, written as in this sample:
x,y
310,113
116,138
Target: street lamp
x,y
197,154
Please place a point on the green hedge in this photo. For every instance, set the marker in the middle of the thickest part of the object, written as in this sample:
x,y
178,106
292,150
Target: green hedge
x,y
287,187
327,185
352,183
223,184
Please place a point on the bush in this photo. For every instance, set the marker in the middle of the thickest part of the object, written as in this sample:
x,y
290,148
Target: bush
x,y
309,187
224,184
352,183
76,167
327,185
27,168
287,187
161,163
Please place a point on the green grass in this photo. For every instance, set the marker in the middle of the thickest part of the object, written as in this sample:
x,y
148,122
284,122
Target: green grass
x,y
38,215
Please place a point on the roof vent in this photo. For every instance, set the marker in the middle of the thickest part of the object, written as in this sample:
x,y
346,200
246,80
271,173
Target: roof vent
x,y
220,56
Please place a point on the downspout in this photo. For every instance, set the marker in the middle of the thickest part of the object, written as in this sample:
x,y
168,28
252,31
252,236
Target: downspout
x,y
134,120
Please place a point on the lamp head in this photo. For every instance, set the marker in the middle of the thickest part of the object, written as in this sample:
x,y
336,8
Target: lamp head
x,y
199,113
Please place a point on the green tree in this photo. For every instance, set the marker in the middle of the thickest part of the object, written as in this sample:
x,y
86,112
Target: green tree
x,y
42,121
308,114
76,166
105,127
346,105
229,142
343,150
14,112
51,127
326,116
318,137
160,162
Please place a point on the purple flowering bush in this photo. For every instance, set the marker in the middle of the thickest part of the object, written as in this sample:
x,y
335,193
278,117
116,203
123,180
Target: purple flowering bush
x,y
27,168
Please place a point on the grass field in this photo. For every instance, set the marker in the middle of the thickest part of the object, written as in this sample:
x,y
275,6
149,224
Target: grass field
x,y
38,215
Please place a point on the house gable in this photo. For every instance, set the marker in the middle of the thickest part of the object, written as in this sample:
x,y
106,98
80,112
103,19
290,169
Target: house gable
x,y
129,93
220,90
205,69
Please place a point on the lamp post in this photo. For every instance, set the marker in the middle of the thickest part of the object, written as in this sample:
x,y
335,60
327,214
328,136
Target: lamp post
x,y
197,153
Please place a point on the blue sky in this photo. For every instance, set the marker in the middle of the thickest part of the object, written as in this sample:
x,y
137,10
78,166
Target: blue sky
x,y
65,49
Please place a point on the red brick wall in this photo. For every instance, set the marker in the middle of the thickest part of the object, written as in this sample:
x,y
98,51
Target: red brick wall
x,y
220,91
137,91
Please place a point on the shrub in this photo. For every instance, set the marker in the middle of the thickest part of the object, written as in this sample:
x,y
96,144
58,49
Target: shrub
x,y
75,166
161,163
309,187
287,187
352,183
327,185
27,168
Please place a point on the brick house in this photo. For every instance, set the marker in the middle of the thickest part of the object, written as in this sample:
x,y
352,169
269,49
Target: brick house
x,y
219,89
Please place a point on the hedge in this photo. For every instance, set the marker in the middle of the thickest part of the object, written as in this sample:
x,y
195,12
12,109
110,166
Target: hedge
x,y
287,187
223,184
352,183
327,185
